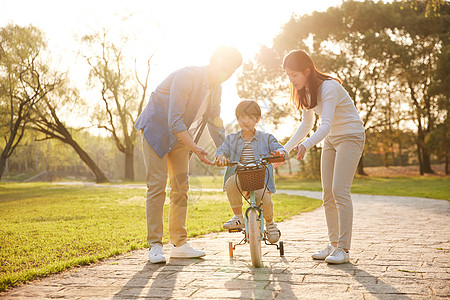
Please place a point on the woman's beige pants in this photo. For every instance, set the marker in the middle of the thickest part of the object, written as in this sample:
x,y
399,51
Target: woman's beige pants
x,y
340,157
175,163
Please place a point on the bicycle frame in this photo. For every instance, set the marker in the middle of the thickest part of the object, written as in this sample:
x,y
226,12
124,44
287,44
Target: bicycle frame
x,y
253,206
254,213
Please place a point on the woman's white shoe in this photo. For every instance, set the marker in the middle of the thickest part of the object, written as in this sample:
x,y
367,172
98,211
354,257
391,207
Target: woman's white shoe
x,y
322,254
338,256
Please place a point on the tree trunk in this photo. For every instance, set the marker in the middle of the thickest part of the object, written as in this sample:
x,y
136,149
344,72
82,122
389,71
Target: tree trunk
x,y
99,175
129,165
290,167
361,166
424,156
56,129
3,157
419,155
2,165
426,159
447,171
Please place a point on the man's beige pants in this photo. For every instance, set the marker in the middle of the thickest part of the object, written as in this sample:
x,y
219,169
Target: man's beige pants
x,y
234,196
175,164
340,157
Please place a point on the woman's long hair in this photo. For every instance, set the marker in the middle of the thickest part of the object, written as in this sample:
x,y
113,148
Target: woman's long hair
x,y
299,61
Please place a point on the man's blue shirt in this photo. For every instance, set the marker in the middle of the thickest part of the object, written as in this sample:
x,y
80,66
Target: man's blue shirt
x,y
173,105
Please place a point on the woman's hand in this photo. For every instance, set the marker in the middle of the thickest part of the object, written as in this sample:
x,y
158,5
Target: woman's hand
x,y
221,161
301,152
202,155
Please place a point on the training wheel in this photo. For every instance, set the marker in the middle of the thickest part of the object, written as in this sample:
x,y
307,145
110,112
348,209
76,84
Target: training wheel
x,y
230,249
281,248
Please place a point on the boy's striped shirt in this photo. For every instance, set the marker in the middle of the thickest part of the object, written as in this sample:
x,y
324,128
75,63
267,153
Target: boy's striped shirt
x,y
247,153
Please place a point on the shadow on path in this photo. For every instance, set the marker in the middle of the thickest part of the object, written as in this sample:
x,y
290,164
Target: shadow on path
x,y
263,283
372,284
154,280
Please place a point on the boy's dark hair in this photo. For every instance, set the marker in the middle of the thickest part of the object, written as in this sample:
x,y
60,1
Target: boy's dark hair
x,y
248,108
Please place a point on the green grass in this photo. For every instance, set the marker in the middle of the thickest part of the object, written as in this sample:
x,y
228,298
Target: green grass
x,y
427,187
46,228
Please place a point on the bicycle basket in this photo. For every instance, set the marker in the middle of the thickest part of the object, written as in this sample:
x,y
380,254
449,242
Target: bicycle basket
x,y
252,179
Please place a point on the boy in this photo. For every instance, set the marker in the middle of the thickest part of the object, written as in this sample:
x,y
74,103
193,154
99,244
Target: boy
x,y
244,146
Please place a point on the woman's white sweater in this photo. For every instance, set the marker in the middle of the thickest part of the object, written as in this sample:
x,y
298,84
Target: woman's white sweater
x,y
339,116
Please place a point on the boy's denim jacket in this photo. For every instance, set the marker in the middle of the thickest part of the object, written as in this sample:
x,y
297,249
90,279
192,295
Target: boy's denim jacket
x,y
263,144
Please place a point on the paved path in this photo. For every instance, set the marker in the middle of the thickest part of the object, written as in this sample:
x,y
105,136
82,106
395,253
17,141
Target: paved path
x,y
400,251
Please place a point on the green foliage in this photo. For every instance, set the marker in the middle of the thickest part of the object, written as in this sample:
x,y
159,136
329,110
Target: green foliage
x,y
120,99
46,228
390,63
432,7
34,155
25,81
310,166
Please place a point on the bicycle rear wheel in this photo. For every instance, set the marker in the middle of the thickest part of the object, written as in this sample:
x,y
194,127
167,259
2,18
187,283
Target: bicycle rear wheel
x,y
254,233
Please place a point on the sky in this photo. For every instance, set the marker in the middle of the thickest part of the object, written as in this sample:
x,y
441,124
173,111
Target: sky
x,y
180,33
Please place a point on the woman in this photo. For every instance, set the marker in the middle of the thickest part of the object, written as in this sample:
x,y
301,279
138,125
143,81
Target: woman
x,y
343,134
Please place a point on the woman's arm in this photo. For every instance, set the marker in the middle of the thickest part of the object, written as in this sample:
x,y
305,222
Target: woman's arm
x,y
329,101
304,128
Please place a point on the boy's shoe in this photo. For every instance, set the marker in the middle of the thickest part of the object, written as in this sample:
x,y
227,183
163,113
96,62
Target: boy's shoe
x,y
186,251
338,256
156,255
324,253
234,223
273,233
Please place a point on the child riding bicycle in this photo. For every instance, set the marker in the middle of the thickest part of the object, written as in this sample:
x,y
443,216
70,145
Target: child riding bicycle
x,y
248,145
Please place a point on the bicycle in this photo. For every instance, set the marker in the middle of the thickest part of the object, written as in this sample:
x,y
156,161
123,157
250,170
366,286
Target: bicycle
x,y
251,176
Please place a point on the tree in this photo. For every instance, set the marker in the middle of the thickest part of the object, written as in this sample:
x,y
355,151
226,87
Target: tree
x,y
46,119
120,95
432,7
25,80
378,58
423,40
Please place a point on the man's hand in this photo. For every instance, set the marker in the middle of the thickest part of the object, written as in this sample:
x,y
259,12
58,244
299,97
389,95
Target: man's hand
x,y
221,161
202,155
186,139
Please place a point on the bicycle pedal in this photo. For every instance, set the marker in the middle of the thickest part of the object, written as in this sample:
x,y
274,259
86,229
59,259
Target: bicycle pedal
x,y
235,230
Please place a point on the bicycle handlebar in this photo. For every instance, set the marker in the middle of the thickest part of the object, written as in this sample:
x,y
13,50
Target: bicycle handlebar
x,y
270,159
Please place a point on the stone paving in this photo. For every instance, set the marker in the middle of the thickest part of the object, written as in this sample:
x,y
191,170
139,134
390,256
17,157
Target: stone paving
x,y
400,250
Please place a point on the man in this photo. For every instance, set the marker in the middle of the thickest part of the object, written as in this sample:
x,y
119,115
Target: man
x,y
178,110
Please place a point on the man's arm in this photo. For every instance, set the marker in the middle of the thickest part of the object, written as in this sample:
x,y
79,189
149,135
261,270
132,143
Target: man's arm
x,y
215,123
179,93
186,139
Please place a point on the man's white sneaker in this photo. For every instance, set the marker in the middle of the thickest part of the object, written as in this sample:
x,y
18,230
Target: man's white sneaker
x,y
322,254
273,233
338,256
234,223
156,255
186,251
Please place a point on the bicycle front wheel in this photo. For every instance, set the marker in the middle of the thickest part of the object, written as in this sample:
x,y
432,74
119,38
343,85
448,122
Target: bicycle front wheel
x,y
254,233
